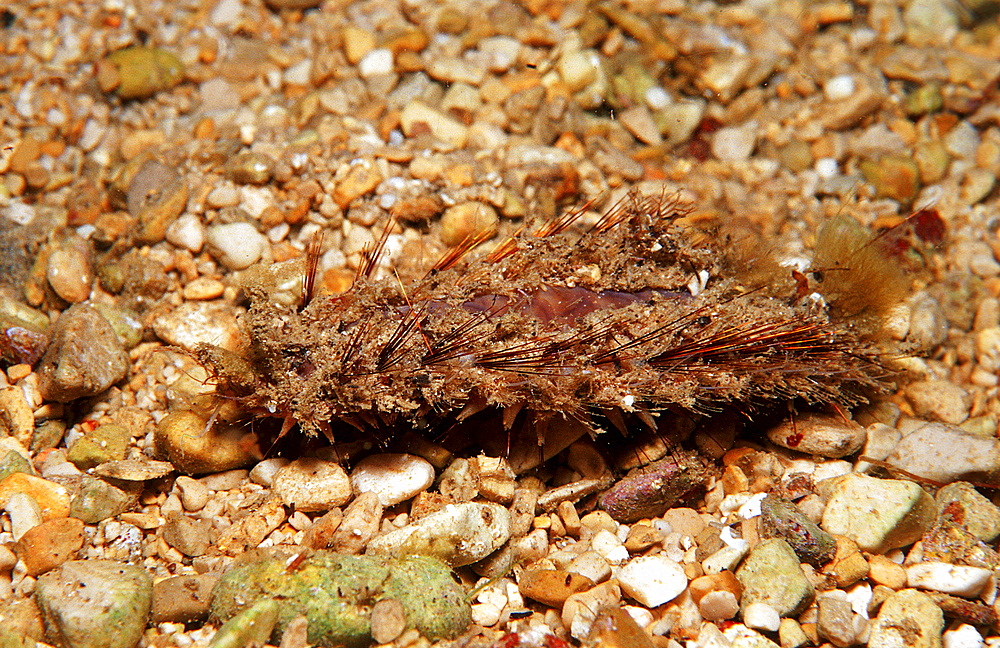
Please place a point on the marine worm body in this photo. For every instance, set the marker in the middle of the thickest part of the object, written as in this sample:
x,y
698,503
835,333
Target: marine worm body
x,y
628,319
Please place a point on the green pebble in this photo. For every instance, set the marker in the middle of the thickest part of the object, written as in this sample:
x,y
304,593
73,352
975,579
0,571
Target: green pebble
x,y
335,592
106,443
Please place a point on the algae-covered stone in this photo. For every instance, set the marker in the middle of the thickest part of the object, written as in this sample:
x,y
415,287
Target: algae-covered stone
x,y
105,443
878,514
139,72
458,534
95,604
336,592
908,618
251,627
93,499
771,574
780,518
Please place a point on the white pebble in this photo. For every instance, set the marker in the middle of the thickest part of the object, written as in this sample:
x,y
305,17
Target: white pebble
x,y
263,473
236,245
963,636
761,616
298,74
609,546
377,61
187,232
657,98
394,478
19,213
652,580
735,143
827,167
311,485
24,514
961,580
839,87
226,12
224,195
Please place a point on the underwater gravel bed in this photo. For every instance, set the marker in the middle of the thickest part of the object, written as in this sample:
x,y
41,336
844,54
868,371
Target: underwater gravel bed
x,y
162,161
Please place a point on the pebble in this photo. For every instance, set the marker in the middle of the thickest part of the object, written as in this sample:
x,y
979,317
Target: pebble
x,y
251,626
52,499
907,618
458,534
311,484
194,494
592,565
962,636
418,118
194,323
95,603
883,571
187,233
375,62
158,212
961,580
939,399
134,470
335,592
124,321
609,547
761,616
780,518
70,273
203,288
181,438
878,514
138,72
581,610
771,574
188,536
946,453
24,514
735,143
835,620
263,473
394,478
652,580
236,245
249,167
819,434
320,534
359,523
50,544
93,500
85,356
18,419
104,443
361,179
552,586
649,491
968,508
639,121
388,620
182,599
467,219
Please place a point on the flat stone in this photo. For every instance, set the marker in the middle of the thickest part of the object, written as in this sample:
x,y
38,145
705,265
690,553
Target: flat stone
x,y
49,544
417,118
95,603
458,534
52,499
946,453
394,478
878,514
182,599
188,536
194,323
818,434
771,574
961,580
552,586
939,399
652,580
907,619
311,484
85,356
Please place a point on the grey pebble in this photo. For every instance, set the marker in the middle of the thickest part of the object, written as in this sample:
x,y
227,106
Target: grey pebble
x,y
458,534
907,618
780,518
95,603
771,574
946,453
85,357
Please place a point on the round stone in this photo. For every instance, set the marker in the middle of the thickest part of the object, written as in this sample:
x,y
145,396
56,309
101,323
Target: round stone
x,y
393,477
311,484
236,245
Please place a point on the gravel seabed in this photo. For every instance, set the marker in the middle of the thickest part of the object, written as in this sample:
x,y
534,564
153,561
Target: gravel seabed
x,y
141,186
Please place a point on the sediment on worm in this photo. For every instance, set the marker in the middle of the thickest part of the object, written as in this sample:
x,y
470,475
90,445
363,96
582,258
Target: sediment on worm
x,y
628,319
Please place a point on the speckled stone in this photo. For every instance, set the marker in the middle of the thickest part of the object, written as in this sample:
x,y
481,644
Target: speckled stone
x,y
85,357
